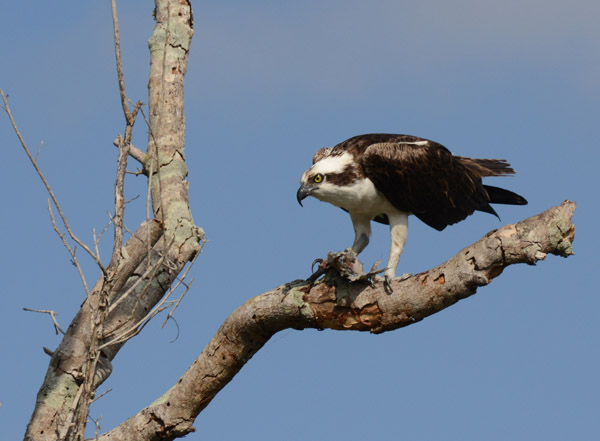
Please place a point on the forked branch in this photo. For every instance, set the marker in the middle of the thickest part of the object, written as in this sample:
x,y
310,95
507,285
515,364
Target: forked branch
x,y
52,315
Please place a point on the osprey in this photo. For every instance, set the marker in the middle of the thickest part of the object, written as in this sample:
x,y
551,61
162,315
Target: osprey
x,y
386,178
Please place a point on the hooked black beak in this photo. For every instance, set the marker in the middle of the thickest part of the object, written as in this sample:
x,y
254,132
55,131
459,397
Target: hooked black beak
x,y
303,192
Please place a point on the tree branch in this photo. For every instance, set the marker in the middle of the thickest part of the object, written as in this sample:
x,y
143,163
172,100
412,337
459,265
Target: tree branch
x,y
6,108
127,112
56,397
134,152
338,304
124,146
52,314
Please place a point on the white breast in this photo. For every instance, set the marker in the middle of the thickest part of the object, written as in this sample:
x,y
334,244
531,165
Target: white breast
x,y
361,197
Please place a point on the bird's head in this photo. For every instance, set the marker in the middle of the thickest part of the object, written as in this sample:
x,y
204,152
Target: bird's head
x,y
325,179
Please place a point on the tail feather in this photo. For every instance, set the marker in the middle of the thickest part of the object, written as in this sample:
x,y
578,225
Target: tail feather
x,y
487,167
489,209
501,196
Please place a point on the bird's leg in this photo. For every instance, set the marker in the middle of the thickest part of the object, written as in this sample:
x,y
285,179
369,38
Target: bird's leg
x,y
398,232
362,231
360,243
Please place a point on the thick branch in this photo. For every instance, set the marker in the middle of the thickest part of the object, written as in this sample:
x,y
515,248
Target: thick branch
x,y
134,152
64,373
338,304
169,48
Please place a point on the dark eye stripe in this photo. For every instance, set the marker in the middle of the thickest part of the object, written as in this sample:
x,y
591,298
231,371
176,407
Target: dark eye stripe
x,y
348,176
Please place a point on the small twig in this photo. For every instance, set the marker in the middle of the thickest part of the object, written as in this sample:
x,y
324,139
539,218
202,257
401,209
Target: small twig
x,y
6,108
177,326
140,325
124,149
155,160
165,303
96,421
131,200
52,314
138,172
177,302
96,241
131,233
106,227
39,149
101,395
148,275
124,145
69,249
126,110
161,306
134,152
119,203
187,287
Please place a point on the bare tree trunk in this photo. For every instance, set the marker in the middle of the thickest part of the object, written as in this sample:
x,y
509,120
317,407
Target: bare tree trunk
x,y
118,303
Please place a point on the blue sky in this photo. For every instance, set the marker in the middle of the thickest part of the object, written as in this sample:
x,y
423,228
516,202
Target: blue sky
x,y
268,84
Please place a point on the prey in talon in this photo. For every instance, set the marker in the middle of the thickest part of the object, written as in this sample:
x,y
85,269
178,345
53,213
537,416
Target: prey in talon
x,y
386,178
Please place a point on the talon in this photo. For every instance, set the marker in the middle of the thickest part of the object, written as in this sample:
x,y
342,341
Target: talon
x,y
319,261
321,269
387,280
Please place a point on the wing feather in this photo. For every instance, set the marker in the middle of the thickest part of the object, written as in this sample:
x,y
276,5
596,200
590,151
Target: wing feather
x,y
487,167
424,178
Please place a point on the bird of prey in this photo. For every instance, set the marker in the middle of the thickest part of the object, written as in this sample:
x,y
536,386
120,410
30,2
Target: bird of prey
x,y
386,178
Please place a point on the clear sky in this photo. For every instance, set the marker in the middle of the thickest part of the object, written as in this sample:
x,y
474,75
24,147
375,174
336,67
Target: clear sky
x,y
269,83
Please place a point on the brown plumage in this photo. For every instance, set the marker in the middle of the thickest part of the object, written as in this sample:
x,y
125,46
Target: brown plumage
x,y
386,178
424,178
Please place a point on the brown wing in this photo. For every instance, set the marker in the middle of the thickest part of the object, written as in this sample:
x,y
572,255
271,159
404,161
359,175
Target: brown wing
x,y
426,180
357,145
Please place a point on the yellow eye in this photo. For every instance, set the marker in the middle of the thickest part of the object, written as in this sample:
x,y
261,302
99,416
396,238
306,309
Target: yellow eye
x,y
318,178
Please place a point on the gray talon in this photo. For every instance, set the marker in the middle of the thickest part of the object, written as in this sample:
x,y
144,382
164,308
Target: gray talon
x,y
387,280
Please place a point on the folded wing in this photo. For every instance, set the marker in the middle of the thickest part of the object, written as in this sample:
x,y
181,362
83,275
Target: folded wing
x,y
425,179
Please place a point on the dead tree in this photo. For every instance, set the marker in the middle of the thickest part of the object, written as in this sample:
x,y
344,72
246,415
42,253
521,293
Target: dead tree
x,y
144,271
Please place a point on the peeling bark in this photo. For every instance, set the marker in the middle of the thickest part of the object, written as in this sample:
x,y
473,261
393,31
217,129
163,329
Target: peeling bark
x,y
116,302
65,372
336,303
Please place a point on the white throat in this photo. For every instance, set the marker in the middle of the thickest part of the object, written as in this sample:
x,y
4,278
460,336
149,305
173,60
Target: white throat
x,y
360,197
